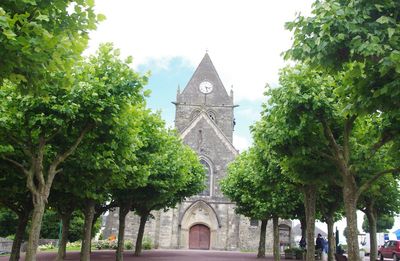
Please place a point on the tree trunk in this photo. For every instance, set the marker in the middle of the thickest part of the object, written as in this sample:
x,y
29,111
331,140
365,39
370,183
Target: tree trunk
x,y
95,217
350,206
123,211
62,246
331,239
309,205
138,247
276,248
87,230
263,233
303,225
372,220
39,204
19,234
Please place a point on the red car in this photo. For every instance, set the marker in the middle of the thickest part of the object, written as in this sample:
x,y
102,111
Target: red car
x,y
391,249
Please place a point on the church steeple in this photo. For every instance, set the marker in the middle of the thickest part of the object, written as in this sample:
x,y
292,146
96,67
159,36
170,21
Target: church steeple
x,y
205,82
205,93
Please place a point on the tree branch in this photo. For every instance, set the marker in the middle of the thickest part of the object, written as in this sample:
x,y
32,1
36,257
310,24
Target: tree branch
x,y
62,156
346,140
51,136
385,138
39,161
329,135
21,144
375,177
17,164
327,156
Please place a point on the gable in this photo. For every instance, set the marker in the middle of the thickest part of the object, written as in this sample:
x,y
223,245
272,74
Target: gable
x,y
202,132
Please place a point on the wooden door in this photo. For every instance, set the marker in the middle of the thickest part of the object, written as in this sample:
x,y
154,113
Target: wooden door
x,y
199,237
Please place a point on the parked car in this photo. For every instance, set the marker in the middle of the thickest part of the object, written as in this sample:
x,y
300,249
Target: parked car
x,y
391,249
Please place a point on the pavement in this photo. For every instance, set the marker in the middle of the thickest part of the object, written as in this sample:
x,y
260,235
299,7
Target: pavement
x,y
156,255
159,255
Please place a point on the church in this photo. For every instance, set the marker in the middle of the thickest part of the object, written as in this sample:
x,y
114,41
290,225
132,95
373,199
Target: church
x,y
204,117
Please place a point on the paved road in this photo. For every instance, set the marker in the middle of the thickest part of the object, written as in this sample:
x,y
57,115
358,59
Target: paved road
x,y
158,255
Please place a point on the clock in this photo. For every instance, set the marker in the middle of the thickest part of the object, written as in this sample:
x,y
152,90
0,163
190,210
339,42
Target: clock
x,y
206,87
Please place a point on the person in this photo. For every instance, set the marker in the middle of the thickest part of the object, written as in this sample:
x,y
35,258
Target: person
x,y
319,246
319,243
302,243
324,256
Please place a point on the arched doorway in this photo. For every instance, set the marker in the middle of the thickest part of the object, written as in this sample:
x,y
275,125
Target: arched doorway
x,y
199,237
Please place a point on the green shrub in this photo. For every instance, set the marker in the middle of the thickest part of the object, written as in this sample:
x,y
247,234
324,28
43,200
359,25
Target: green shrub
x,y
128,245
46,247
147,244
105,244
76,244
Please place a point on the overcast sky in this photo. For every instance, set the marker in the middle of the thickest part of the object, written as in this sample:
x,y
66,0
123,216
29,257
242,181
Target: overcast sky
x,y
245,40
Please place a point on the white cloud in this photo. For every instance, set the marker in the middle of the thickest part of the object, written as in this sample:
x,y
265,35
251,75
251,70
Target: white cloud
x,y
244,38
240,143
250,113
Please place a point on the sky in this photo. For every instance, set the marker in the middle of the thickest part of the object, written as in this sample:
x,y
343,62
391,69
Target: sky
x,y
245,40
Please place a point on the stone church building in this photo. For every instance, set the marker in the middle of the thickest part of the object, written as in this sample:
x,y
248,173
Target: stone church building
x,y
205,120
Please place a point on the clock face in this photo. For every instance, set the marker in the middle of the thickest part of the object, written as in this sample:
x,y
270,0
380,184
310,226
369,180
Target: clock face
x,y
206,87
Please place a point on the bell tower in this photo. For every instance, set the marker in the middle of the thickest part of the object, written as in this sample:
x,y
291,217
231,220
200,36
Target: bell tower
x,y
206,93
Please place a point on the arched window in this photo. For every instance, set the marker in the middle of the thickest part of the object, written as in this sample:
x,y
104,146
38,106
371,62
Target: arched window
x,y
194,114
207,168
212,116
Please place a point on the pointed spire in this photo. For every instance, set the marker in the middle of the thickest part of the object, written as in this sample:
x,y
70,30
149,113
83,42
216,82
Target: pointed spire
x,y
205,71
178,93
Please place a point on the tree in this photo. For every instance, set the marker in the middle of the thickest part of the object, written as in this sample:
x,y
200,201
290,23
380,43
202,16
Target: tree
x,y
15,196
107,160
255,184
39,39
175,173
383,224
359,41
241,187
148,136
51,225
47,128
309,114
379,201
296,138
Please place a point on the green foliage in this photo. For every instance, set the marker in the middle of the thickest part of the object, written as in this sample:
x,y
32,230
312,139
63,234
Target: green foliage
x,y
384,223
175,171
128,245
51,226
147,244
39,39
111,244
106,244
8,222
46,247
255,184
74,245
359,39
